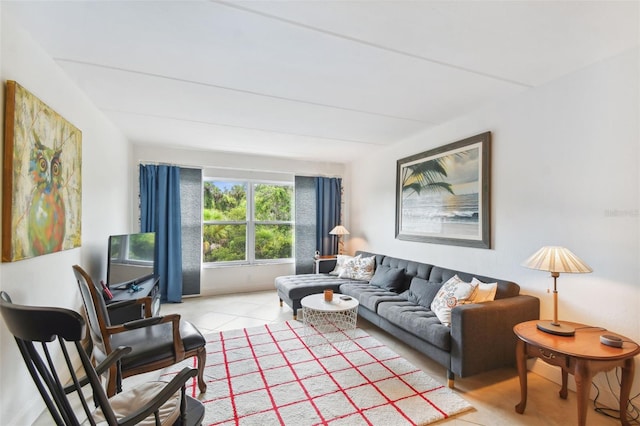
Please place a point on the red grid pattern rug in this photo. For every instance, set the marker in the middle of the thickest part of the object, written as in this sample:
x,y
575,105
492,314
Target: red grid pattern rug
x,y
267,375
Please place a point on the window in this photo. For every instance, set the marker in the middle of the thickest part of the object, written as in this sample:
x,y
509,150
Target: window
x,y
247,222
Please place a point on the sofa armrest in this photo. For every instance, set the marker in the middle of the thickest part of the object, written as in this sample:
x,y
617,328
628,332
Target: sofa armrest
x,y
482,335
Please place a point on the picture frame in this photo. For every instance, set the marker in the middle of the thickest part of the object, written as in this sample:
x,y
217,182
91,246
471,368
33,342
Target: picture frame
x,y
443,195
42,178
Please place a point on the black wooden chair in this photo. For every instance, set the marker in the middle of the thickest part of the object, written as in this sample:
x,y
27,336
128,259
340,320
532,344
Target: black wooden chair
x,y
155,342
36,330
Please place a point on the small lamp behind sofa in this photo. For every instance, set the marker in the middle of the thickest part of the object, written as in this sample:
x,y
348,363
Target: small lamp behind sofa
x,y
340,231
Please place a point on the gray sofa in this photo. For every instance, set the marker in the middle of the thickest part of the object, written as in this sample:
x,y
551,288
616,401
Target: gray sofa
x,y
480,337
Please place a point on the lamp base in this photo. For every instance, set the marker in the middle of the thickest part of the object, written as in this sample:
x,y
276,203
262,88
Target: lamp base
x,y
556,328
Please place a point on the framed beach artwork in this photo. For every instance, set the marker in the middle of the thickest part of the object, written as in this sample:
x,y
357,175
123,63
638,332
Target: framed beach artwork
x,y
443,195
42,179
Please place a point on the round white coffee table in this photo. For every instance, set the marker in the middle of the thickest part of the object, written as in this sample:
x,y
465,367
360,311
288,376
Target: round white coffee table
x,y
328,322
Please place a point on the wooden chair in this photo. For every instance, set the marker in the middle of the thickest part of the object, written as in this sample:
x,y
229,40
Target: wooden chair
x,y
155,342
36,330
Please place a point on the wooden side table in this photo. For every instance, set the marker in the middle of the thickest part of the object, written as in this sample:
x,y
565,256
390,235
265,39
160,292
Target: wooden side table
x,y
581,355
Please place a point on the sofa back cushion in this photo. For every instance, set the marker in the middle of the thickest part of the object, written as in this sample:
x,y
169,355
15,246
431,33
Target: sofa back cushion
x,y
411,268
391,279
421,292
505,288
436,274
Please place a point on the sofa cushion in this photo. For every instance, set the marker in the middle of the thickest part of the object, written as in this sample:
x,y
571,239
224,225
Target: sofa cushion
x,y
369,295
388,278
452,293
484,292
341,259
417,320
359,268
295,287
505,288
422,292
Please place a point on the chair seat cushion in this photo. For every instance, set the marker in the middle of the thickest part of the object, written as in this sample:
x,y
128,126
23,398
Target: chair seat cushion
x,y
155,343
125,403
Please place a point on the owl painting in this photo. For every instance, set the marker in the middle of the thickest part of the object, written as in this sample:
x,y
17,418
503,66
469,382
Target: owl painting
x,y
46,212
42,179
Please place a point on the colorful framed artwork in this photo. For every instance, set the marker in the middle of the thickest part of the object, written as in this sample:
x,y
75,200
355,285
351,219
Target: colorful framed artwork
x,y
42,179
443,195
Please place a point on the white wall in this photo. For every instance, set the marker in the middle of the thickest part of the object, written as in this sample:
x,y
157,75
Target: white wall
x,y
48,280
236,279
565,172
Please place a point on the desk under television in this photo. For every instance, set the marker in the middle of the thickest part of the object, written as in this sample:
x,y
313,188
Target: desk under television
x,y
147,286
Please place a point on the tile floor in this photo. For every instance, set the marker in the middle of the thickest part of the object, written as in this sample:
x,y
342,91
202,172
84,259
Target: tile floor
x,y
493,394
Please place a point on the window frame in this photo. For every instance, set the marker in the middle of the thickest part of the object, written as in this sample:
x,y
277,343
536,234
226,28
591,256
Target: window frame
x,y
250,222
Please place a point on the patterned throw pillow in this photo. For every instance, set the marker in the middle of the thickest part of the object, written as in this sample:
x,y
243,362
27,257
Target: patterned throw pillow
x,y
340,261
452,293
359,268
484,292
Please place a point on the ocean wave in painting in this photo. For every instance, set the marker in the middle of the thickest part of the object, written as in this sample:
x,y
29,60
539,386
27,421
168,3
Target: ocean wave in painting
x,y
438,213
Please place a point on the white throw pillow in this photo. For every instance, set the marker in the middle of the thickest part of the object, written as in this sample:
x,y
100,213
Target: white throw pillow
x,y
359,268
484,292
452,293
340,261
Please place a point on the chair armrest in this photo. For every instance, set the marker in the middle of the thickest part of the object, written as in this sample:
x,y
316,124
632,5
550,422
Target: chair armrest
x,y
112,358
174,319
177,383
482,335
146,302
142,323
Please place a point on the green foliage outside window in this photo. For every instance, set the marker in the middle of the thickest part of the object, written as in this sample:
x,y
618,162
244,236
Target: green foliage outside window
x,y
224,243
273,202
227,226
273,242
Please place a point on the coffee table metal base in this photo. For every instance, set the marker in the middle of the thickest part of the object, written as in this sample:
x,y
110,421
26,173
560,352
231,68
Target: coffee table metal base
x,y
328,323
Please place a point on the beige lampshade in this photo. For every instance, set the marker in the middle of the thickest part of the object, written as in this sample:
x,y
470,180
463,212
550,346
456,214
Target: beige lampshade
x,y
339,230
556,259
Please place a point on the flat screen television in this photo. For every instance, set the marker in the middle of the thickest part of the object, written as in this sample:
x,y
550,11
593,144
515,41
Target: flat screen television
x,y
130,258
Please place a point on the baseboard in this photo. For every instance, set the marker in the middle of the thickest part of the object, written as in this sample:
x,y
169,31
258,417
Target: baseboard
x,y
553,374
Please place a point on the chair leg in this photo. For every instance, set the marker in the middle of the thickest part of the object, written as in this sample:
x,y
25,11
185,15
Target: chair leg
x,y
112,381
202,363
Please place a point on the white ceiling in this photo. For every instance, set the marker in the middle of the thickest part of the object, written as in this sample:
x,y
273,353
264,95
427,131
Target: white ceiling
x,y
323,80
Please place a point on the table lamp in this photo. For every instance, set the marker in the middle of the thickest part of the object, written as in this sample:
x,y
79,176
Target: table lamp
x,y
556,260
339,231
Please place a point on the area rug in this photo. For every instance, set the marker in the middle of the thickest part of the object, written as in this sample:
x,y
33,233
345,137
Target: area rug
x,y
269,375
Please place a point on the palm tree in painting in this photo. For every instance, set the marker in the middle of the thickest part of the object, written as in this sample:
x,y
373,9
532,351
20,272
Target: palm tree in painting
x,y
427,176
